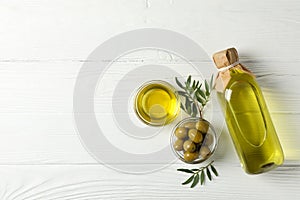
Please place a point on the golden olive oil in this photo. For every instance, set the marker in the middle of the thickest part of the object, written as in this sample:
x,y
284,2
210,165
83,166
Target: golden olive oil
x,y
157,103
249,121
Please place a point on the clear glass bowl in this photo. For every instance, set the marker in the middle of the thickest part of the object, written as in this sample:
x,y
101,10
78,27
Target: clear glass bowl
x,y
157,103
193,140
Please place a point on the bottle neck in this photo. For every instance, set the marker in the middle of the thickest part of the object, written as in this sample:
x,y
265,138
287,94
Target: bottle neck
x,y
229,66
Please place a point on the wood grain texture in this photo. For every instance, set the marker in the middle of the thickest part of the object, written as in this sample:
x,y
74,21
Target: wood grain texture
x,y
97,182
43,45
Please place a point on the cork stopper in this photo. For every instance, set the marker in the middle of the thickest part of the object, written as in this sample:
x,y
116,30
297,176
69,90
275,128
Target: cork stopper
x,y
226,57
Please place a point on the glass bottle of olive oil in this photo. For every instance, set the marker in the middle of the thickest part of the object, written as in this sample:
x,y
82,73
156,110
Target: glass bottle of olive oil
x,y
247,117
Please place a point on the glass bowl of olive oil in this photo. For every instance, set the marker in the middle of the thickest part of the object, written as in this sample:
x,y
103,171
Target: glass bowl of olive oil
x,y
193,140
157,103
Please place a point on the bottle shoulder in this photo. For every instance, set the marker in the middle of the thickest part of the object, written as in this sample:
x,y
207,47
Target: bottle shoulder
x,y
240,76
236,74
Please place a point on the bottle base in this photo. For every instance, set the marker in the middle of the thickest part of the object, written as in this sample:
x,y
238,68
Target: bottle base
x,y
263,168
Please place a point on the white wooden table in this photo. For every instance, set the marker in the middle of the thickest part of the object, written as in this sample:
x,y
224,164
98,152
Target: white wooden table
x,y
43,45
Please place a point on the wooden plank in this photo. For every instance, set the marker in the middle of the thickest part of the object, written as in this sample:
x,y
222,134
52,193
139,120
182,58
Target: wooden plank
x,y
48,87
52,139
33,32
98,182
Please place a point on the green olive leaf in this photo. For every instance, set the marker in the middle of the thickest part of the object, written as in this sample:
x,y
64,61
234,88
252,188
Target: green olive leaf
x,y
199,99
188,180
186,102
201,93
207,91
182,93
200,86
202,177
213,169
208,173
189,110
182,107
188,105
195,111
190,90
185,170
197,84
188,81
178,83
196,181
211,81
193,114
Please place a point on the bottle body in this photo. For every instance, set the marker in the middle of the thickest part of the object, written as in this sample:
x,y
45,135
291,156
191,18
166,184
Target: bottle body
x,y
249,123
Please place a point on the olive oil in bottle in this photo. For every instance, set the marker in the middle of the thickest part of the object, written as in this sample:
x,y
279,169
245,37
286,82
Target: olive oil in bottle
x,y
157,103
247,116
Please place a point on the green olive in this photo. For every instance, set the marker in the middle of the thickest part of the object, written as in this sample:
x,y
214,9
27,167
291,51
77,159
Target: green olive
x,y
189,146
181,132
189,125
195,135
202,126
178,145
204,151
208,139
189,157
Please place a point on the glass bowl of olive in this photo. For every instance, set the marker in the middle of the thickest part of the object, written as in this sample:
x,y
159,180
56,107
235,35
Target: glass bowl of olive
x,y
193,140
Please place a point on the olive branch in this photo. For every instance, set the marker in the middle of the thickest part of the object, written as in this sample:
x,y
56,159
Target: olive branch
x,y
195,94
199,174
196,98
